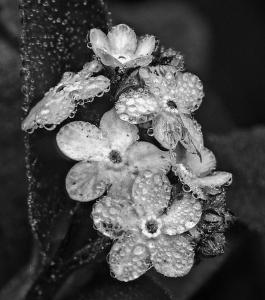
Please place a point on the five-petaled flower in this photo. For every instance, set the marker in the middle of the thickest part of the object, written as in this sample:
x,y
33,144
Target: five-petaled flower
x,y
168,97
60,102
110,157
121,47
148,230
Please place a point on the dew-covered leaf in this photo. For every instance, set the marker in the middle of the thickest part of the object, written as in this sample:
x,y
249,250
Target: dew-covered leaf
x,y
53,41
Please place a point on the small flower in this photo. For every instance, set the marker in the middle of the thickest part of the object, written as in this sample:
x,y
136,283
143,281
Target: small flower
x,y
60,102
121,48
168,97
148,232
109,156
197,173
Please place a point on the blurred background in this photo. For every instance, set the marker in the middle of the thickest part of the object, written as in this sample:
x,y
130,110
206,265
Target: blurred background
x,y
224,44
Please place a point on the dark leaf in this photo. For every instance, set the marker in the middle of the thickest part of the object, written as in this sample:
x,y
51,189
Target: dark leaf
x,y
242,154
53,41
110,289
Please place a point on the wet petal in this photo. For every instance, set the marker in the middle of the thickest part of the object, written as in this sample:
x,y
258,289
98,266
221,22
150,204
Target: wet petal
x,y
99,41
120,134
189,92
151,193
88,89
192,138
146,45
52,110
86,181
141,61
200,166
60,102
213,183
145,156
200,186
82,141
91,67
122,39
172,256
137,106
107,59
121,183
167,130
183,215
112,216
129,257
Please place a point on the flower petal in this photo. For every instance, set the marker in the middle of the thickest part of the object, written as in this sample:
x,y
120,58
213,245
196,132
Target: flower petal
x,y
60,102
137,106
200,166
192,138
151,193
129,257
120,134
145,156
52,110
172,256
183,215
112,216
82,141
99,41
189,92
86,181
121,183
88,89
161,81
122,39
213,183
146,45
141,61
167,130
108,60
91,67
200,186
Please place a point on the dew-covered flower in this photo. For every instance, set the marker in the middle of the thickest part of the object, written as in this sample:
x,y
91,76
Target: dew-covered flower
x,y
197,173
109,156
121,47
147,230
61,101
168,97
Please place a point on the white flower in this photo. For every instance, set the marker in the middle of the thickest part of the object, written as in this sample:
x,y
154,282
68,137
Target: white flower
x,y
109,156
148,232
168,98
197,173
121,47
61,101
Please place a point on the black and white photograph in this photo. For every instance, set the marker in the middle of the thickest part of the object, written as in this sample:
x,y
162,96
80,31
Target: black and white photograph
x,y
132,150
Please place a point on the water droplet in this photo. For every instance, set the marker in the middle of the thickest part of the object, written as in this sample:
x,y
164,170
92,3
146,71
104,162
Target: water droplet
x,y
150,131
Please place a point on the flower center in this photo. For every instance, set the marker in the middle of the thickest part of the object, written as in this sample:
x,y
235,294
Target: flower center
x,y
151,226
115,157
171,104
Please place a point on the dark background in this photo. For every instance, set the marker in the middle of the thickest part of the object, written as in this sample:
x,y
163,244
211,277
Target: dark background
x,y
224,43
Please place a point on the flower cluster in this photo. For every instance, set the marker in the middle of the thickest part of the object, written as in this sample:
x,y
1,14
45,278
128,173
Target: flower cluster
x,y
138,206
